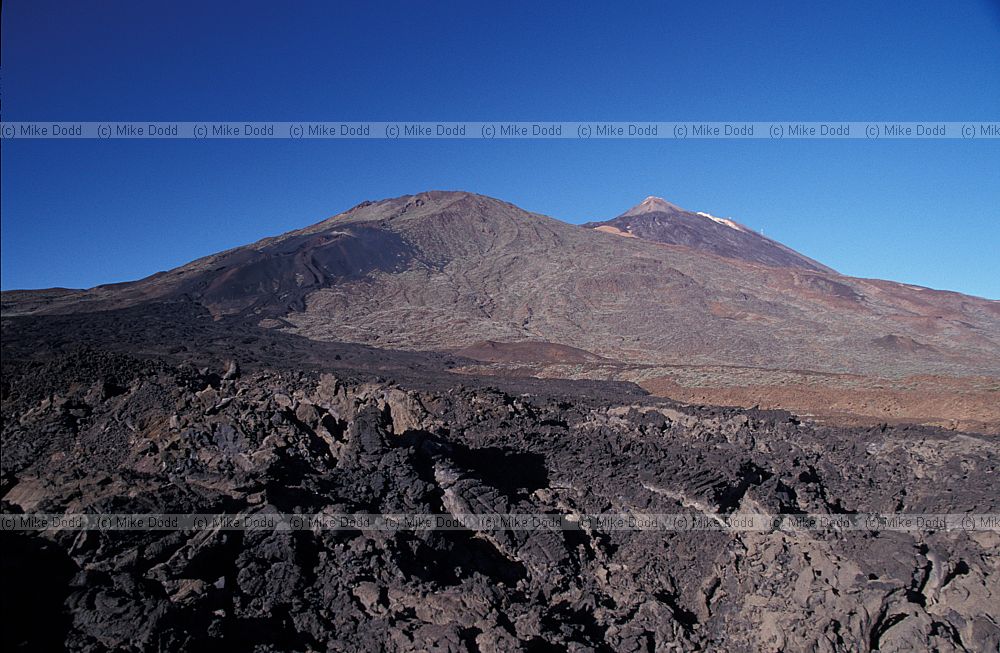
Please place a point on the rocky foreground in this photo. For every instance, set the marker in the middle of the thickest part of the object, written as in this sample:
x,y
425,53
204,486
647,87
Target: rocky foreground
x,y
92,430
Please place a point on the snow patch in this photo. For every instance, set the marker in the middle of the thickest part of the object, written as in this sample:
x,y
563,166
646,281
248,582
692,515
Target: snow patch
x,y
723,221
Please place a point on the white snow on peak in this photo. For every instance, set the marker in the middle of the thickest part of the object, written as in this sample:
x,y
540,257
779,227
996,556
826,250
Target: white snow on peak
x,y
723,221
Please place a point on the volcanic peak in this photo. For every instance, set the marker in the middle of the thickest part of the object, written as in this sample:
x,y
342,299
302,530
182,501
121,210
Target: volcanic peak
x,y
652,204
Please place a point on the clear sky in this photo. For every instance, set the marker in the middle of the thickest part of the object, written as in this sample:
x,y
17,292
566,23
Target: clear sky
x,y
81,213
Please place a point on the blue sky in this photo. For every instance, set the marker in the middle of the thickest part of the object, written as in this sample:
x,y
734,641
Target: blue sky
x,y
81,213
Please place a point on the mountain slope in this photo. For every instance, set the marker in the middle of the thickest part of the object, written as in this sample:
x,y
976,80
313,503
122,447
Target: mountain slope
x,y
452,271
660,221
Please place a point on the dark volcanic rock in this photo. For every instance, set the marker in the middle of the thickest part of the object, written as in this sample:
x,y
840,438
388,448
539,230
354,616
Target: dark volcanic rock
x,y
98,429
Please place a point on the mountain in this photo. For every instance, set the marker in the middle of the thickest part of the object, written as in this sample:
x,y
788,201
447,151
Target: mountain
x,y
524,293
660,221
269,380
